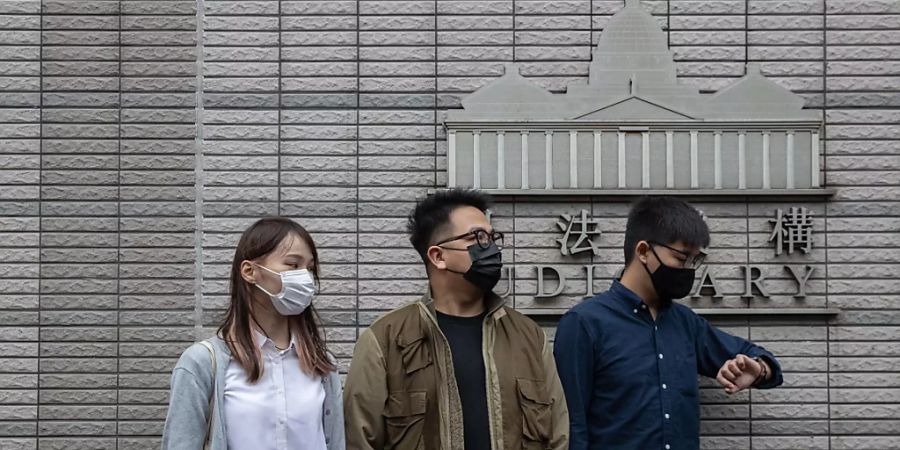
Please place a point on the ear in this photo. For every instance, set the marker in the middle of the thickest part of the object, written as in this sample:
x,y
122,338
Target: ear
x,y
641,251
248,272
435,256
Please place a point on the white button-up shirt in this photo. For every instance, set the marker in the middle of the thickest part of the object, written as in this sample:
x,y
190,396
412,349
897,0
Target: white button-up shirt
x,y
282,411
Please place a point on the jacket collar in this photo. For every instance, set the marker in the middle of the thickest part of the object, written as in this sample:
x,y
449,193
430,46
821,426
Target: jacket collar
x,y
493,304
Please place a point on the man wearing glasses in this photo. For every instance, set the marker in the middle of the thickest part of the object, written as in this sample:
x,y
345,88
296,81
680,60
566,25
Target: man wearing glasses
x,y
456,369
628,358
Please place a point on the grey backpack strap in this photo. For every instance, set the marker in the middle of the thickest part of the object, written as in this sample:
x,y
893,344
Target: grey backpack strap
x,y
212,394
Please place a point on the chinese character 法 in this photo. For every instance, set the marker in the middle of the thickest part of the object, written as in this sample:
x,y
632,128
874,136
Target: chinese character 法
x,y
580,228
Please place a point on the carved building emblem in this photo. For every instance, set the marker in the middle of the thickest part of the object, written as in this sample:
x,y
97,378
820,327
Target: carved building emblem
x,y
633,127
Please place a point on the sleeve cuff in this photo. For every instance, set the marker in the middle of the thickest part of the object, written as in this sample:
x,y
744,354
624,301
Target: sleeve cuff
x,y
776,379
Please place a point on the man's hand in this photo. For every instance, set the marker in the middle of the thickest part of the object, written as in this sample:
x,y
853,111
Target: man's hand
x,y
740,373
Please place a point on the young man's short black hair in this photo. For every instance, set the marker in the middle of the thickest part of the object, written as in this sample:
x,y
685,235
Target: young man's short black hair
x,y
432,215
665,220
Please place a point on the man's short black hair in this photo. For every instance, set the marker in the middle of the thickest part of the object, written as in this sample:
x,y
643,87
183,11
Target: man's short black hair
x,y
665,220
432,215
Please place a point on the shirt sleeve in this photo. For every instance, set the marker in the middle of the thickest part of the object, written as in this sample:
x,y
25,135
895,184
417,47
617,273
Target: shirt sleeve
x,y
573,349
715,346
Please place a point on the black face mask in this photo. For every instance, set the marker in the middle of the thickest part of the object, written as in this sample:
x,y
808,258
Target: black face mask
x,y
670,283
486,267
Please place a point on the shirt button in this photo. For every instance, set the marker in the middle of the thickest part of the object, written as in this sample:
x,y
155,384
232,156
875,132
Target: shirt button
x,y
660,356
643,306
667,416
635,310
668,447
655,327
327,412
664,386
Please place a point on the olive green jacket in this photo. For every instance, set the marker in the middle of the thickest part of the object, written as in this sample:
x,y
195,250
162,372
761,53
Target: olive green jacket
x,y
401,391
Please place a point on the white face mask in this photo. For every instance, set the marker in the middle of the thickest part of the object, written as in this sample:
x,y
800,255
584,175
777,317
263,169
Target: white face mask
x,y
297,291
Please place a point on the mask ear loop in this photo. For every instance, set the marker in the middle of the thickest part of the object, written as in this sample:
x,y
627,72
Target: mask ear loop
x,y
647,267
264,267
656,255
264,290
270,271
455,249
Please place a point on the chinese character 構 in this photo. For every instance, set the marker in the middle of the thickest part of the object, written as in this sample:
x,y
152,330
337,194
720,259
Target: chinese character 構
x,y
583,227
792,230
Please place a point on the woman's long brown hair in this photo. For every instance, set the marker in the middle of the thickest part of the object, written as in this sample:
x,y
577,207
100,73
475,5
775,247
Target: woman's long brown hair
x,y
259,240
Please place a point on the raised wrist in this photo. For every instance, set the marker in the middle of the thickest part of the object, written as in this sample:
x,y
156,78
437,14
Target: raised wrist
x,y
763,373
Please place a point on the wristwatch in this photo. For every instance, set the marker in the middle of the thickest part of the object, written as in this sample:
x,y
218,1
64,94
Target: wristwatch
x,y
762,375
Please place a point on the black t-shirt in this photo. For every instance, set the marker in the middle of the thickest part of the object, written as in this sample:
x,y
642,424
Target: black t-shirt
x,y
465,336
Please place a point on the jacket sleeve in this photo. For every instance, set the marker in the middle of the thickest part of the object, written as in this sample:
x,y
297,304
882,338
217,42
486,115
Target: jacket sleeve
x,y
559,438
574,352
715,346
365,395
185,427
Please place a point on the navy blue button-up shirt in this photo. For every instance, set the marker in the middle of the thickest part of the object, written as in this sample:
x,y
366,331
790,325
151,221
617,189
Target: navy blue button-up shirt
x,y
630,381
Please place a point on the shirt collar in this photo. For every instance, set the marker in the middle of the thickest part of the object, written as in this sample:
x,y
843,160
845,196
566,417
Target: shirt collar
x,y
631,302
261,339
624,296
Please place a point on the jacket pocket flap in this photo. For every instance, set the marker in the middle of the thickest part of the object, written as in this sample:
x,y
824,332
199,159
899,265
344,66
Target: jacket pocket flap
x,y
533,390
414,352
408,339
405,404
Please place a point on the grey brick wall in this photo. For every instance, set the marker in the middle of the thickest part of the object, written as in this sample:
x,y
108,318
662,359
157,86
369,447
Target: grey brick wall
x,y
138,138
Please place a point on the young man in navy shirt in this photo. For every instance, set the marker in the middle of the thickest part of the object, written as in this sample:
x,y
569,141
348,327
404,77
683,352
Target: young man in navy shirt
x,y
628,358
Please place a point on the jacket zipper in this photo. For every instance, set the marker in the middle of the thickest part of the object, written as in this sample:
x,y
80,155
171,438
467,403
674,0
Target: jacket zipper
x,y
489,373
446,346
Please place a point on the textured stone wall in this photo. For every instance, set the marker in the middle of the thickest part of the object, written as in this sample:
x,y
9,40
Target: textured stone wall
x,y
139,138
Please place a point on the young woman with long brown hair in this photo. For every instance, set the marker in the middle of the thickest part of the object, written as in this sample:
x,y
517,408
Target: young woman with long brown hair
x,y
266,380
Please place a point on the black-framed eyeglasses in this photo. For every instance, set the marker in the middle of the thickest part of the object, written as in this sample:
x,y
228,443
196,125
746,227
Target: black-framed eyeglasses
x,y
482,237
692,261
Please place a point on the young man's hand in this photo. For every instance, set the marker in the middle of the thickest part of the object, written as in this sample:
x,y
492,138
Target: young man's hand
x,y
741,372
